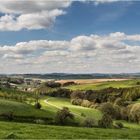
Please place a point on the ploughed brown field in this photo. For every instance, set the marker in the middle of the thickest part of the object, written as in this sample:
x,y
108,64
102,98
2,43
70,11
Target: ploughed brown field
x,y
88,81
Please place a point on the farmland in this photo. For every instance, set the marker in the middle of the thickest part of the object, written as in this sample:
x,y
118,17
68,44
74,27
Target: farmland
x,y
58,103
37,131
25,120
101,84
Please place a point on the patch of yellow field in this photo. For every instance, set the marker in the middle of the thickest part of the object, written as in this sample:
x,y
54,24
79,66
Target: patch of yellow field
x,y
88,81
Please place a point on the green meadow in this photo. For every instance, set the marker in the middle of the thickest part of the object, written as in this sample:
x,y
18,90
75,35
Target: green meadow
x,y
50,106
36,131
102,85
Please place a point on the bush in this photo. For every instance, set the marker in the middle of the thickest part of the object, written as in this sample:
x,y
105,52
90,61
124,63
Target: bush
x,y
37,105
138,83
105,122
124,113
117,114
119,101
119,125
69,83
63,116
60,92
83,115
77,94
86,103
134,112
76,101
89,122
107,108
52,84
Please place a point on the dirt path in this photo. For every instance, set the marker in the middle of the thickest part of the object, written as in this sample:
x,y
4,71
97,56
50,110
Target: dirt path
x,y
46,101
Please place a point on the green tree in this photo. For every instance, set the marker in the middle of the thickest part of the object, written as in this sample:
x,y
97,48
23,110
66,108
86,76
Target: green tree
x,y
63,115
106,121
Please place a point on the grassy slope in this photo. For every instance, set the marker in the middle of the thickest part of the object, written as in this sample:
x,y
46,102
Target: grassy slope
x,y
102,85
22,130
21,109
77,110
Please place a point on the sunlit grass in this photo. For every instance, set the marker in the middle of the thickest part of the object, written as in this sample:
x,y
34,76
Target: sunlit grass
x,y
102,85
36,131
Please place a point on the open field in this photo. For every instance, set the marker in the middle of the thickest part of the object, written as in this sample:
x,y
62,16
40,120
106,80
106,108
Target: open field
x,y
30,131
21,109
105,84
50,106
89,81
54,103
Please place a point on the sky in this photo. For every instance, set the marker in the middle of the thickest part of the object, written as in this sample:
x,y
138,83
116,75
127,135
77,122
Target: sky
x,y
100,36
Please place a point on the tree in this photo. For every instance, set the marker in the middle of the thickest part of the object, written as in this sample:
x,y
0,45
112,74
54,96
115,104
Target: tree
x,y
69,83
89,122
63,115
76,101
86,103
119,101
107,108
124,113
134,112
105,122
119,125
52,84
37,104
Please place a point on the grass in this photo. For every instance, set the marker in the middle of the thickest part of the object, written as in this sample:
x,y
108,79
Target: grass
x,y
36,131
102,85
138,101
21,109
55,103
129,125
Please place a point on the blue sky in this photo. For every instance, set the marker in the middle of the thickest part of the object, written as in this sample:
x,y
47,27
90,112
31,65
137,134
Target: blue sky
x,y
84,18
101,36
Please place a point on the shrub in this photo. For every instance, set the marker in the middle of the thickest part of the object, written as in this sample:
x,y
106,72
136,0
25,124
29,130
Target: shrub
x,y
89,122
37,105
52,84
63,116
107,108
83,115
76,101
77,94
124,113
134,112
138,83
119,125
105,122
60,92
117,114
86,103
119,101
69,83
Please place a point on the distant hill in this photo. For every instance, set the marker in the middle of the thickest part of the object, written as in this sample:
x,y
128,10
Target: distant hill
x,y
58,76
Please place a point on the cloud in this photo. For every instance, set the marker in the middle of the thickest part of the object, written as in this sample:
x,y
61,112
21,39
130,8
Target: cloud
x,y
23,14
38,14
93,53
97,2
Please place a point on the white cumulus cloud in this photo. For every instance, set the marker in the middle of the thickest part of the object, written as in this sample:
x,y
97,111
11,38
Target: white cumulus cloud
x,y
33,14
93,53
